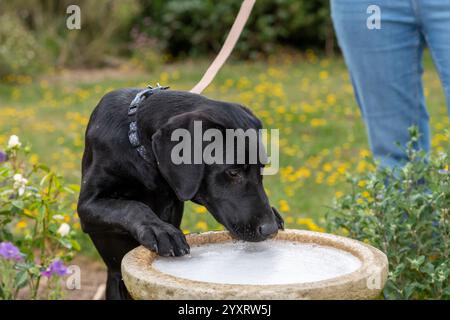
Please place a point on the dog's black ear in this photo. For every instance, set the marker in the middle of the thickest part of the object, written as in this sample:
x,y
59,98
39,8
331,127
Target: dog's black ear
x,y
184,178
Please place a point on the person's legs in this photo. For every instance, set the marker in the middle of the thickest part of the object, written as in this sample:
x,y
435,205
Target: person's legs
x,y
385,67
435,20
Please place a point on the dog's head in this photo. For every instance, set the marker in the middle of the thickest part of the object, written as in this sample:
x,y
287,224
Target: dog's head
x,y
232,190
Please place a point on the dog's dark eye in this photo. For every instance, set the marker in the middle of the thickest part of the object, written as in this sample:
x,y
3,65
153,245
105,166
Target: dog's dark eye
x,y
233,172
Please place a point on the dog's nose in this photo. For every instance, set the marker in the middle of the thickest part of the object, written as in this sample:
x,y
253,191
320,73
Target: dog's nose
x,y
267,229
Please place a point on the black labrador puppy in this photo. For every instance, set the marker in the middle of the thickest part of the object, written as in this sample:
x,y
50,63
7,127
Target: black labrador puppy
x,y
129,199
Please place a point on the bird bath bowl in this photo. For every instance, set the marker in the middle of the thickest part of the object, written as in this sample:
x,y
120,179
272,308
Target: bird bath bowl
x,y
296,264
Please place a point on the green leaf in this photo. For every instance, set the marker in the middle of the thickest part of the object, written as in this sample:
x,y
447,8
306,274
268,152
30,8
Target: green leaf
x,y
53,228
421,260
23,266
75,245
35,271
43,167
21,279
18,204
409,290
446,292
45,178
5,212
65,243
4,172
427,268
73,188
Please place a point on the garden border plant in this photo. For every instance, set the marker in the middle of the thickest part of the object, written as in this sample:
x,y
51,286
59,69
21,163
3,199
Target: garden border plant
x,y
405,213
36,239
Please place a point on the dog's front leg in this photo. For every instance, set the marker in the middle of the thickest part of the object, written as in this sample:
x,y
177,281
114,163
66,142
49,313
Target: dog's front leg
x,y
138,220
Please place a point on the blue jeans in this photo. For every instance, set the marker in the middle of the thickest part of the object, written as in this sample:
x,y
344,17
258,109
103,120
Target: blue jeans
x,y
385,66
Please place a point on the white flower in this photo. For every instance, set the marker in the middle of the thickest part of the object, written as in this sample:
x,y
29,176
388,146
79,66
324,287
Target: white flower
x,y
63,229
19,183
14,142
58,217
20,179
21,191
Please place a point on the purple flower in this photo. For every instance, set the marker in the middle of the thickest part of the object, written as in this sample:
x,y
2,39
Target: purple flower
x,y
3,157
10,252
57,267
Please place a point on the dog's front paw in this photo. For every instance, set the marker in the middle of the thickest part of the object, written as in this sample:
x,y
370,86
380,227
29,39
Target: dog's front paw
x,y
164,239
278,218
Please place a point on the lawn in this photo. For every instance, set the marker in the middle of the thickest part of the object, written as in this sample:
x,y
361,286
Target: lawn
x,y
309,98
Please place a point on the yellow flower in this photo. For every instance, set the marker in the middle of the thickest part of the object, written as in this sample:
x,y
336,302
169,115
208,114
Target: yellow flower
x,y
327,167
303,173
314,227
202,225
34,158
22,224
284,206
186,231
29,213
201,209
316,122
281,109
323,75
331,99
364,153
304,221
331,180
342,168
362,166
309,223
366,194
338,194
319,178
362,183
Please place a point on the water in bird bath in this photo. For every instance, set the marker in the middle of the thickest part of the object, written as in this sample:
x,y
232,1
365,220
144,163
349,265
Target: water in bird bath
x,y
264,263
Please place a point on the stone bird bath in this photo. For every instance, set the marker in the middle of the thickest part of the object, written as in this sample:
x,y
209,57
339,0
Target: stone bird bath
x,y
296,264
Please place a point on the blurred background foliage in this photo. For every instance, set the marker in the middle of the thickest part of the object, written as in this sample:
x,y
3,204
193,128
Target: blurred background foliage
x,y
34,36
200,26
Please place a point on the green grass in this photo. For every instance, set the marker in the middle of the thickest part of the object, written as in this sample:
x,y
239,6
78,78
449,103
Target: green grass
x,y
307,97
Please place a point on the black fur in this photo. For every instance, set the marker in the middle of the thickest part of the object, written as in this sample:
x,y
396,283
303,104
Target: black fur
x,y
126,201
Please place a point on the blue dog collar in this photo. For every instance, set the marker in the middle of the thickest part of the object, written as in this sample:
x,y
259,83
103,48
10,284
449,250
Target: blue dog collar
x,y
133,135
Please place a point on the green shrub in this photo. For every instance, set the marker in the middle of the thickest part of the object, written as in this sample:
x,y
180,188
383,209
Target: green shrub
x,y
404,213
41,28
200,26
34,37
20,53
36,237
